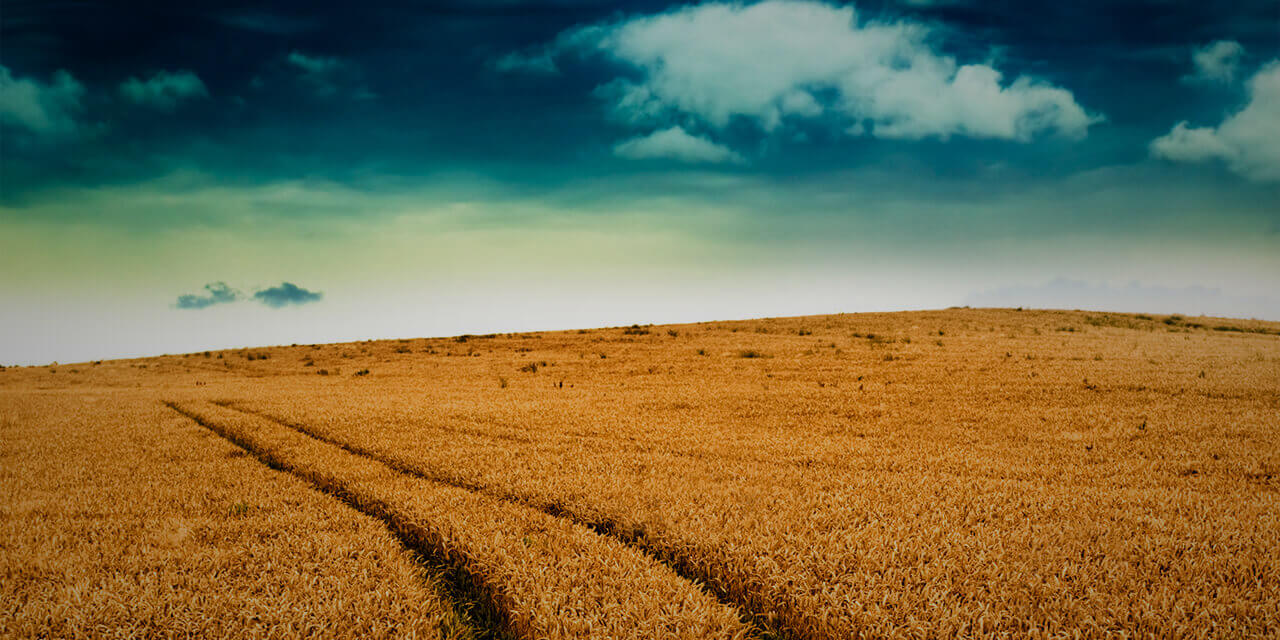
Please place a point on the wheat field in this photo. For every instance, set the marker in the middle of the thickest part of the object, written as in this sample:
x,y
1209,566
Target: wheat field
x,y
964,473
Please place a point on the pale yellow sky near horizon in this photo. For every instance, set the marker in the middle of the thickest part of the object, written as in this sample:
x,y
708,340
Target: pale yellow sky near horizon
x,y
81,278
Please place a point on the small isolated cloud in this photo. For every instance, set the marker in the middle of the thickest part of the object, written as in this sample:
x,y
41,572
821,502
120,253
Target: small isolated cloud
x,y
329,75
1134,297
318,65
275,297
286,294
217,293
676,144
265,22
538,61
1216,62
164,90
771,62
1245,140
47,109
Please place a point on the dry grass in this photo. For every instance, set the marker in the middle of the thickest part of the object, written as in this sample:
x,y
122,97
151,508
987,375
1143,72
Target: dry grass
x,y
971,473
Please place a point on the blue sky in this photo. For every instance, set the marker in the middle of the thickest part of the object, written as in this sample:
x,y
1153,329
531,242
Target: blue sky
x,y
326,172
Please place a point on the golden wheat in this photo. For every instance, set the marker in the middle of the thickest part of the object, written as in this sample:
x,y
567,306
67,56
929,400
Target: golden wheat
x,y
120,518
964,473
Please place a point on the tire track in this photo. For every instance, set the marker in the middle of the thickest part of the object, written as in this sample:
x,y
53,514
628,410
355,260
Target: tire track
x,y
543,576
627,444
465,596
684,565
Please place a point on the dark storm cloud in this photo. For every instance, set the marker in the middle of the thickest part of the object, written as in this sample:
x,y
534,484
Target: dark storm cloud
x,y
218,293
286,294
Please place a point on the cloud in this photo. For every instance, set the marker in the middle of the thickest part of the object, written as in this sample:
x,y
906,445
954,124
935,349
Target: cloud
x,y
219,293
1216,62
1245,140
319,65
1191,144
329,75
677,144
164,90
286,294
265,22
774,61
537,61
48,109
1062,293
275,297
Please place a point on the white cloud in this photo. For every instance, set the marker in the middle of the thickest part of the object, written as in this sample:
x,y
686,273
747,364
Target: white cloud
x,y
46,109
781,59
676,143
1216,62
164,90
1190,144
1245,140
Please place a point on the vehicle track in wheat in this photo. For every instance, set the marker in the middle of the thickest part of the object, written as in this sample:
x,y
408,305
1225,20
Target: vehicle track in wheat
x,y
580,585
761,618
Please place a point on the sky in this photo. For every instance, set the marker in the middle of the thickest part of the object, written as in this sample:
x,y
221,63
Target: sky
x,y
184,176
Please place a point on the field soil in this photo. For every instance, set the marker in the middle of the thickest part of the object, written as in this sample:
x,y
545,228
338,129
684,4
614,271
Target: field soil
x,y
968,473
